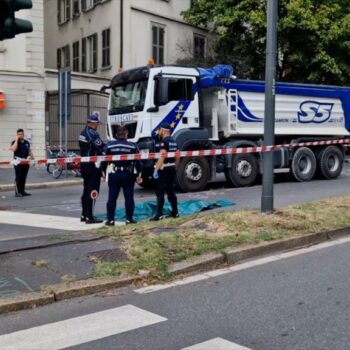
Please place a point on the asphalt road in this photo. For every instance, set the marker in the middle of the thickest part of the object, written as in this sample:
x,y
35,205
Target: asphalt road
x,y
292,303
65,201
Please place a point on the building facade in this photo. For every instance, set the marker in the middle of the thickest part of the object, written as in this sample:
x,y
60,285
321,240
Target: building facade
x,y
100,36
22,84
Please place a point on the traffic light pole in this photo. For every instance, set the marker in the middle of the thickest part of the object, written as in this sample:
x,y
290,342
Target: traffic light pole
x,y
269,118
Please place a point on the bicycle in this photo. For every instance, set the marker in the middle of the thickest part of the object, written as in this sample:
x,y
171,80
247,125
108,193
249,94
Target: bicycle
x,y
56,169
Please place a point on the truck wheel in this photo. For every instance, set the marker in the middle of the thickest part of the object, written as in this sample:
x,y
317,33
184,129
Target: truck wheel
x,y
303,164
193,174
244,170
330,162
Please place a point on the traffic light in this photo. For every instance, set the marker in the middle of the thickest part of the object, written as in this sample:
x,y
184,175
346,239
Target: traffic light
x,y
9,25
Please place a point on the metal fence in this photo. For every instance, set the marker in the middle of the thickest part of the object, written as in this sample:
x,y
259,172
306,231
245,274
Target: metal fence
x,y
84,103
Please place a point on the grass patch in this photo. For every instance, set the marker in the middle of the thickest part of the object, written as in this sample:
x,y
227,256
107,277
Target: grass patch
x,y
153,246
68,278
40,263
58,238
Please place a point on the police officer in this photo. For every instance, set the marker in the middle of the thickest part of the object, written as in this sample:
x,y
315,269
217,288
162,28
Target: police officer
x,y
164,174
21,150
90,144
122,174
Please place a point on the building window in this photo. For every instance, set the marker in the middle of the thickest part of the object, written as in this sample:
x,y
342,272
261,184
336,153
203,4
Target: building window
x,y
63,11
106,47
89,4
76,56
158,44
89,54
63,57
198,46
76,9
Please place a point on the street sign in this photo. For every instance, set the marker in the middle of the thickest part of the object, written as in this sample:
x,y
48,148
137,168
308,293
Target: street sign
x,y
10,26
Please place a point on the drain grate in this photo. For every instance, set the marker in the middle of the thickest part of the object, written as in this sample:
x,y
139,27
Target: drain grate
x,y
108,255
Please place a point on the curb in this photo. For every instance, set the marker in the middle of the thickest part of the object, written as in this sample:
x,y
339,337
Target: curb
x,y
11,187
80,288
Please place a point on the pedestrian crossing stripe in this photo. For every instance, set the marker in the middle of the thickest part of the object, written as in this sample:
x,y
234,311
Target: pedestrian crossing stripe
x,y
80,330
46,221
217,344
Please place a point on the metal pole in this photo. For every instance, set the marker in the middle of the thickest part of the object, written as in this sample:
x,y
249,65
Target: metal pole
x,y
60,108
66,116
269,118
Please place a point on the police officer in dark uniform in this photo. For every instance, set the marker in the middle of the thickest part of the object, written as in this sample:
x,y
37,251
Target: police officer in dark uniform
x,y
21,150
164,174
90,144
122,174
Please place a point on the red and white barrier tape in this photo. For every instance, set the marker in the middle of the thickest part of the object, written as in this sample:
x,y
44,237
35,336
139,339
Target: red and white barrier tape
x,y
177,154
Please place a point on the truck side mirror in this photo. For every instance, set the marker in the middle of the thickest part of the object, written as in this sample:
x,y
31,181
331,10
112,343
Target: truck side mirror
x,y
161,96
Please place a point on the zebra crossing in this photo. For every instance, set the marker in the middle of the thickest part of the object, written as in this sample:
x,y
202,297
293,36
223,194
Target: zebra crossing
x,y
94,327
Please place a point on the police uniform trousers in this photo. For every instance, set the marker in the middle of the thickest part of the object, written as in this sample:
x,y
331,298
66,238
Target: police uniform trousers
x,y
165,184
92,180
117,180
21,171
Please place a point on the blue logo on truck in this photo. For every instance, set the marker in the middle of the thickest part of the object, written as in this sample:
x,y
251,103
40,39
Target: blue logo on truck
x,y
314,112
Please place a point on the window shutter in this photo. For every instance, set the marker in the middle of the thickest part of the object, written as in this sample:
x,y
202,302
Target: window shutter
x,y
67,10
83,55
67,58
58,58
58,11
94,48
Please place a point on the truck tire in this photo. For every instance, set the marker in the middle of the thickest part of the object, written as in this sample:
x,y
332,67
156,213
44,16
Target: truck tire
x,y
192,174
330,161
303,165
244,170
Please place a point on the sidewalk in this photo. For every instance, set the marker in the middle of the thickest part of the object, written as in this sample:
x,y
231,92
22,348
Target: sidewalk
x,y
38,177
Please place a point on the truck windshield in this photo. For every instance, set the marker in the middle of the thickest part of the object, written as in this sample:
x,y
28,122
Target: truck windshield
x,y
128,97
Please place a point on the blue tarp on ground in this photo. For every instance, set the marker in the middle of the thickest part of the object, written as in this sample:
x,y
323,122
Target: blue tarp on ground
x,y
146,210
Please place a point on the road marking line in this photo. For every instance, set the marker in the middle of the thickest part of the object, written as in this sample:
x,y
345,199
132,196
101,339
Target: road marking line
x,y
46,221
80,330
217,344
243,266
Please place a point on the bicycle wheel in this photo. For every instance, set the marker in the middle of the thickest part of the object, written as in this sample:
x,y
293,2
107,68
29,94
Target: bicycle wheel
x,y
57,170
49,168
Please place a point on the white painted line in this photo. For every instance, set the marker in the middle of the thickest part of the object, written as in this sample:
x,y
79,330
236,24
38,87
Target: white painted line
x,y
154,288
218,272
244,266
191,279
216,344
46,221
80,330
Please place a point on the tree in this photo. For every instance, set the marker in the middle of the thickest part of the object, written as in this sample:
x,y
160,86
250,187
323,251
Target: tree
x,y
313,37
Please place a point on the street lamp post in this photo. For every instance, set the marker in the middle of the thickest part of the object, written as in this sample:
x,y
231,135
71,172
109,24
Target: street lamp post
x,y
269,117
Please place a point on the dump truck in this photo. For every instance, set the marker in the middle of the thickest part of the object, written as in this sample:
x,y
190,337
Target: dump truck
x,y
211,108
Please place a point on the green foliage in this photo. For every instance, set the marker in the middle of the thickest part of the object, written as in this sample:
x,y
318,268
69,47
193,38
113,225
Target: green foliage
x,y
313,37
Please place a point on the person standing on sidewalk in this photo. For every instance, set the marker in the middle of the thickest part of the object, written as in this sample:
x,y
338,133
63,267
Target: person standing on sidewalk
x,y
21,150
164,174
90,144
122,174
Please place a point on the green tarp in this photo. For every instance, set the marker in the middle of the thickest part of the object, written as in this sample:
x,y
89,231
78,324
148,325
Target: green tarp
x,y
146,210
